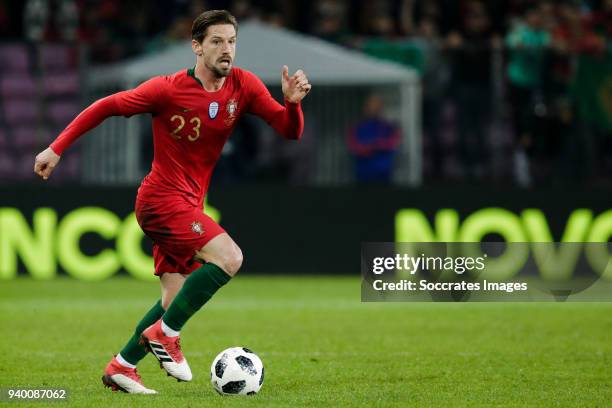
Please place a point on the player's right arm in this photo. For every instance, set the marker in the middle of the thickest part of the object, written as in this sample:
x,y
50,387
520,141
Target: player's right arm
x,y
145,98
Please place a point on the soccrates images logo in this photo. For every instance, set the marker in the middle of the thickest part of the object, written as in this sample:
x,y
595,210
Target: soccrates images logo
x,y
455,261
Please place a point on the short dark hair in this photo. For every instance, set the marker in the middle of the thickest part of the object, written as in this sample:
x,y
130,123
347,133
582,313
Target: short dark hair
x,y
209,18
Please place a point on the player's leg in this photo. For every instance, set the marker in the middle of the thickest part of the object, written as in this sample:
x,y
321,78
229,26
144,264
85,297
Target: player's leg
x,y
134,350
183,232
120,374
199,287
223,252
221,259
161,340
171,283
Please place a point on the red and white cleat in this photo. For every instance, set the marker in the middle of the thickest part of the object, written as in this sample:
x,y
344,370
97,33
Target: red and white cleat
x,y
167,350
120,378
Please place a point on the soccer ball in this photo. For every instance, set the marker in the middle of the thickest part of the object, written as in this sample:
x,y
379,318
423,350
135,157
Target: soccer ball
x,y
237,371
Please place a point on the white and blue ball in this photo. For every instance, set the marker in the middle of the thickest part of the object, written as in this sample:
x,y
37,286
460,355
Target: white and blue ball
x,y
237,371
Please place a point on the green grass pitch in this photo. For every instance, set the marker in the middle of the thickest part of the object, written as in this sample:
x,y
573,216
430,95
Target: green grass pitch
x,y
321,346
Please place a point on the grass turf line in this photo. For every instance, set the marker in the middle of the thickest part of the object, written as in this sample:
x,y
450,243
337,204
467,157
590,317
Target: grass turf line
x,y
320,345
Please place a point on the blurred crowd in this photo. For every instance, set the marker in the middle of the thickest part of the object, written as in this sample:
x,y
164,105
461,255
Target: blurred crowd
x,y
512,89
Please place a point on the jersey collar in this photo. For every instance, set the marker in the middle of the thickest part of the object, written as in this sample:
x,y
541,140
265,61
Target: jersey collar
x,y
191,73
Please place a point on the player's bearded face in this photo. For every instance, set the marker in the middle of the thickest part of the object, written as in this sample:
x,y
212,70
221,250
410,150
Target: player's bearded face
x,y
219,49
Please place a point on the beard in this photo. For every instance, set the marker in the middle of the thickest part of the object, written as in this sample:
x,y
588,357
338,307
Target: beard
x,y
221,72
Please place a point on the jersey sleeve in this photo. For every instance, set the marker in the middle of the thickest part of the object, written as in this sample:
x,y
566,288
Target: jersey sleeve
x,y
146,98
287,120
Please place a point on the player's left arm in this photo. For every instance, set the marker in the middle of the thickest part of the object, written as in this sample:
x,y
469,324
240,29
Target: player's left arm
x,y
287,120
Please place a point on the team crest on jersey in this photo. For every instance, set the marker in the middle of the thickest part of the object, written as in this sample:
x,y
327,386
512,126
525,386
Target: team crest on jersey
x,y
213,109
196,227
231,109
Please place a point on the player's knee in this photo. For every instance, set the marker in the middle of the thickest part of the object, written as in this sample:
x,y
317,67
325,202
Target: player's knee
x,y
229,259
232,261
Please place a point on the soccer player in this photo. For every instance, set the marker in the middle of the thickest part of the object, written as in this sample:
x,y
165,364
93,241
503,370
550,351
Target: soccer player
x,y
194,112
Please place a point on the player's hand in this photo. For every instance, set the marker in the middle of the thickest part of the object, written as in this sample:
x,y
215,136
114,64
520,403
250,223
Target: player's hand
x,y
45,162
295,87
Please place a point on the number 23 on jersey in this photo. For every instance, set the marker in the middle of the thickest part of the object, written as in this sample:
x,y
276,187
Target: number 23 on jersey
x,y
179,122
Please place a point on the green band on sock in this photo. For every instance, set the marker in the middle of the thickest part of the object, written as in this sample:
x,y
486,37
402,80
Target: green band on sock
x,y
133,351
198,288
185,307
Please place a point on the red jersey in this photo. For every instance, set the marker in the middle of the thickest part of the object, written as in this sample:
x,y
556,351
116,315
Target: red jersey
x,y
190,126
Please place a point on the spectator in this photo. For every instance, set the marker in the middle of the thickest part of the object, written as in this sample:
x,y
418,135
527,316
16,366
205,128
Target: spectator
x,y
435,79
330,20
177,32
243,10
377,20
471,54
569,38
590,92
373,142
527,44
